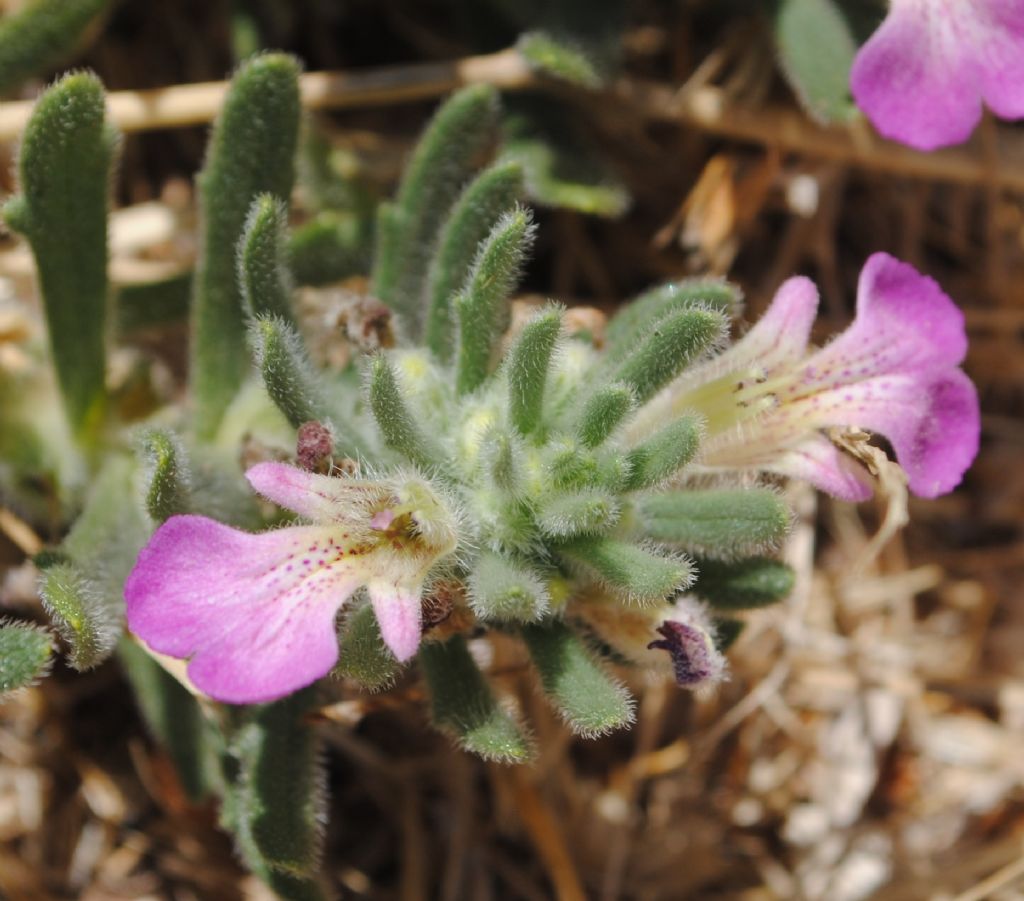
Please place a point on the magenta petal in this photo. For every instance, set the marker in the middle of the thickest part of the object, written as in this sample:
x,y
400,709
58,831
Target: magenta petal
x,y
933,424
905,323
938,452
315,497
398,609
915,77
782,333
255,613
818,461
999,54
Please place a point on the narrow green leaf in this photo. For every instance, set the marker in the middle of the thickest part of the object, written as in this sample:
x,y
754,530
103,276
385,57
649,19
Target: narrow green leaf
x,y
363,656
42,34
668,348
251,152
262,269
502,456
166,477
716,522
632,320
590,701
83,590
481,204
664,454
64,169
482,306
441,163
561,166
82,614
279,802
602,413
463,705
570,514
506,590
558,59
527,367
638,574
330,247
743,584
395,421
287,372
25,655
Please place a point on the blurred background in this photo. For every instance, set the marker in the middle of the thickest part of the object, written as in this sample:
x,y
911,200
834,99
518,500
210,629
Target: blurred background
x,y
870,741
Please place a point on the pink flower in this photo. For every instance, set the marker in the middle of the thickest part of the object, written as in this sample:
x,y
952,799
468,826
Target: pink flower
x,y
894,371
924,74
255,612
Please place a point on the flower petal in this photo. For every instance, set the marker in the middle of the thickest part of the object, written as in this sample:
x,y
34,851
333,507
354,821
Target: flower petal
x,y
998,39
905,323
933,424
398,607
916,78
254,612
818,461
318,498
782,333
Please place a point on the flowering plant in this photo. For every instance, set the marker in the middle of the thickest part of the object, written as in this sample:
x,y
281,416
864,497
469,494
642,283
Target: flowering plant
x,y
596,501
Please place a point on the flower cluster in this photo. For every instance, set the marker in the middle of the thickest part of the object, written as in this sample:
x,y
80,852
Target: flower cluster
x,y
255,613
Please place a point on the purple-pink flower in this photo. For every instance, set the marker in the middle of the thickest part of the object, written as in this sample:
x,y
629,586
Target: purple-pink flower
x,y
923,75
254,613
895,371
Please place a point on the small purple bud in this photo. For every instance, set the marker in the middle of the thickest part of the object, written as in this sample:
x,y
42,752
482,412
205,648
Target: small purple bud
x,y
314,447
695,659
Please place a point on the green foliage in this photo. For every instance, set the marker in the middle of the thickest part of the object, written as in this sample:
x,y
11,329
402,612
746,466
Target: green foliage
x,y
527,367
571,514
463,705
743,584
506,590
443,161
25,655
251,152
287,373
262,269
634,319
603,411
816,48
664,453
482,305
364,658
560,166
639,575
587,698
488,197
82,590
83,617
276,799
395,420
64,172
43,34
173,717
146,305
328,248
167,476
717,522
559,59
667,348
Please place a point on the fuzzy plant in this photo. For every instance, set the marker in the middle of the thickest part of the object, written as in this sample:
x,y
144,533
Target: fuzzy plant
x,y
608,503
